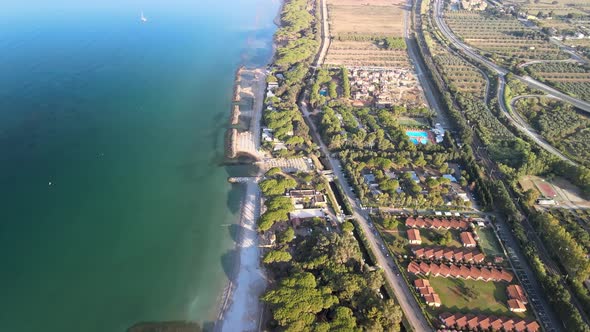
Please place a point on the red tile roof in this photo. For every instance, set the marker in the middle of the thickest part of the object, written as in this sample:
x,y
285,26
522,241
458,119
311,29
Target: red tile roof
x,y
480,322
450,254
437,223
414,268
516,292
456,271
467,239
516,305
532,326
419,283
414,235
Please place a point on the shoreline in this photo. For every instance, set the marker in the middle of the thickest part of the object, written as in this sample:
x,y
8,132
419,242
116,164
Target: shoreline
x,y
239,306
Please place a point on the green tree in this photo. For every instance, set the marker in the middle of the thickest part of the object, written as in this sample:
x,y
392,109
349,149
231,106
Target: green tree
x,y
277,256
347,227
287,236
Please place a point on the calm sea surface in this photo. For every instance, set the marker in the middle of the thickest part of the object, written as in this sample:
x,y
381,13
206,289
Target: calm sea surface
x,y
113,206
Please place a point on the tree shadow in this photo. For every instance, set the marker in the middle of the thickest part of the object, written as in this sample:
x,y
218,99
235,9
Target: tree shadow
x,y
229,263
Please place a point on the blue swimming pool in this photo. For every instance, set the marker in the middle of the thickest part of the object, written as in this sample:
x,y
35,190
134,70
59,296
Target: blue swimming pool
x,y
417,136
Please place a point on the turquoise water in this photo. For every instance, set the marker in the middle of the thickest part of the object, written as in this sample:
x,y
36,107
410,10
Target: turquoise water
x,y
114,208
417,136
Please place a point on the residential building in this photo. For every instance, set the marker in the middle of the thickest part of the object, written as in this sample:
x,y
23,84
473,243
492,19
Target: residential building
x,y
471,322
414,236
468,240
460,272
516,292
436,223
516,306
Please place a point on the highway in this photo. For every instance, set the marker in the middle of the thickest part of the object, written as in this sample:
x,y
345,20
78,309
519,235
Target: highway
x,y
539,300
516,120
521,124
472,53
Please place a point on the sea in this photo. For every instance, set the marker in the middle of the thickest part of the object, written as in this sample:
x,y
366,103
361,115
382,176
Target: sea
x,y
114,203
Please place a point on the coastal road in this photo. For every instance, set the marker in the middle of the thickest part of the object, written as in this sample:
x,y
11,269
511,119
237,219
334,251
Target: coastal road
x,y
472,53
405,298
325,36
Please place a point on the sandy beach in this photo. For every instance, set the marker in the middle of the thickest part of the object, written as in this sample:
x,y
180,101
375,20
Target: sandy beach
x,y
242,309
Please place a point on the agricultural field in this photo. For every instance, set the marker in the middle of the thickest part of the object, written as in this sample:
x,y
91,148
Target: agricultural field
x,y
505,37
567,77
560,124
364,54
374,18
461,76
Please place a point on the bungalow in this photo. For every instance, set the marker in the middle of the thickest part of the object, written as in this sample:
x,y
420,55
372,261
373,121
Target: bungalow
x,y
437,223
516,306
468,240
462,272
421,283
414,236
432,300
449,254
484,323
516,292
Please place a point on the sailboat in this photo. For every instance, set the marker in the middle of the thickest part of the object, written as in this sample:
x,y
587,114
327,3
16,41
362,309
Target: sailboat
x,y
143,18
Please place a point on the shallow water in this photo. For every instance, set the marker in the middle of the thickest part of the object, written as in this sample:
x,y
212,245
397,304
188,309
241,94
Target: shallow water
x,y
114,208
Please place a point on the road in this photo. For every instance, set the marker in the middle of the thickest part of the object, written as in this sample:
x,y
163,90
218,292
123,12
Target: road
x,y
472,53
516,120
325,37
410,307
404,296
420,68
523,126
524,272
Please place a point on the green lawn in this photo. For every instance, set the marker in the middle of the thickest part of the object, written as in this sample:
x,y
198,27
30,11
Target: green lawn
x,y
399,234
459,295
489,242
428,238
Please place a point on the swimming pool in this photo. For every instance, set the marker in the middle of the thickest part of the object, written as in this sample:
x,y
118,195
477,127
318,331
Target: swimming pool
x,y
418,136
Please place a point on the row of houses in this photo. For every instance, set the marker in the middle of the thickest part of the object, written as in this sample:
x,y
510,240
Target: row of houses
x,y
449,254
436,223
517,299
430,296
469,322
463,272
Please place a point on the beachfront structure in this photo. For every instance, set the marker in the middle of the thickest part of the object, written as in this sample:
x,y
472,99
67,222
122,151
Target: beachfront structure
x,y
517,293
303,214
414,236
437,223
307,197
462,322
449,254
460,272
468,240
